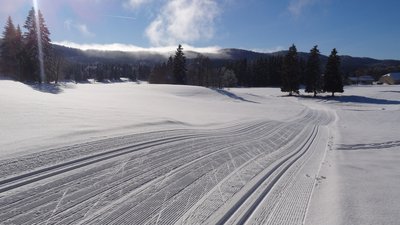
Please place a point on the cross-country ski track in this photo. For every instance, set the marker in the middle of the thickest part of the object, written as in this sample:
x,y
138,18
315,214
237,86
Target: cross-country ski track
x,y
252,172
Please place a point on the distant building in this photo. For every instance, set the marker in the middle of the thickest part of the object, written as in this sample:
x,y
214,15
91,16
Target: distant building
x,y
390,78
364,80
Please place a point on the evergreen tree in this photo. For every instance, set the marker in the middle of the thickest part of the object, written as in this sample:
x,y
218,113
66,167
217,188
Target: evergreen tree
x,y
332,78
242,71
57,62
32,44
100,72
302,70
19,45
10,49
228,78
290,73
162,73
313,72
199,71
169,73
180,66
275,69
260,75
157,75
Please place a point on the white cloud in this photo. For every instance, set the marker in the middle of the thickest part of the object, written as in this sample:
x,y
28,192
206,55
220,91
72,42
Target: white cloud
x,y
296,7
82,28
183,21
135,4
269,50
133,48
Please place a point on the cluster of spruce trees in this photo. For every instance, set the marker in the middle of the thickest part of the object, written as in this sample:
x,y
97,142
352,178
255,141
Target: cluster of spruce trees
x,y
262,72
199,71
20,51
287,71
331,81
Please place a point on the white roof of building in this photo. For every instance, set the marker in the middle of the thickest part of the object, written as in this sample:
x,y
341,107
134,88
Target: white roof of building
x,y
394,76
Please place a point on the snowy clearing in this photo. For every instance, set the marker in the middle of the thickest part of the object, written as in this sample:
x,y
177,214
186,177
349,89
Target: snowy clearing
x,y
361,174
158,154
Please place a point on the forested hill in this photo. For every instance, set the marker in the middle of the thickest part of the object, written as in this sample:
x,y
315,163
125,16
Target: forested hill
x,y
349,64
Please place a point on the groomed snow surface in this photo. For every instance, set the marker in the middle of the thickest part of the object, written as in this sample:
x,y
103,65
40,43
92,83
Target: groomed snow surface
x,y
127,153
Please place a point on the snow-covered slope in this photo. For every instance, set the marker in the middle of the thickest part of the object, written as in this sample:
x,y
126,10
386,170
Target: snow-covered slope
x,y
32,120
159,154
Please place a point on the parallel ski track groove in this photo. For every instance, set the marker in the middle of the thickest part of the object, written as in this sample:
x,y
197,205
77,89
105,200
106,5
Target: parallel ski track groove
x,y
291,160
242,130
164,160
276,131
221,149
68,166
280,154
96,158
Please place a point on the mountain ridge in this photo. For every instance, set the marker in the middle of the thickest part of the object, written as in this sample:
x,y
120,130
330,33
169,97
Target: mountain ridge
x,y
349,63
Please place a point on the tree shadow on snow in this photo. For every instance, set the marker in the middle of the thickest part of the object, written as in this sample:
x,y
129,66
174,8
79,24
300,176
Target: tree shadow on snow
x,y
355,99
47,88
366,100
369,146
398,92
2,77
232,95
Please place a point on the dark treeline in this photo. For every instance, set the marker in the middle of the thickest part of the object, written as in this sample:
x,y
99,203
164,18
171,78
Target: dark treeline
x,y
288,72
104,72
262,72
202,71
199,71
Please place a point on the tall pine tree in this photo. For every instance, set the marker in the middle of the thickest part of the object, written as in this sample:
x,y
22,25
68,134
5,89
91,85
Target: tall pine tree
x,y
313,72
32,60
333,79
180,66
10,49
290,73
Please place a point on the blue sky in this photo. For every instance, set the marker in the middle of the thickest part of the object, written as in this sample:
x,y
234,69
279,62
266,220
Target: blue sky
x,y
354,27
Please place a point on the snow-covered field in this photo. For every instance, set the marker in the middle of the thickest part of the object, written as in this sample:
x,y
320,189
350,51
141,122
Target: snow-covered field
x,y
158,154
362,171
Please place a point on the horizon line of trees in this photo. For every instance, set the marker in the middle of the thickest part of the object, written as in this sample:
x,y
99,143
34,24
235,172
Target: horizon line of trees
x,y
287,72
20,58
105,72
